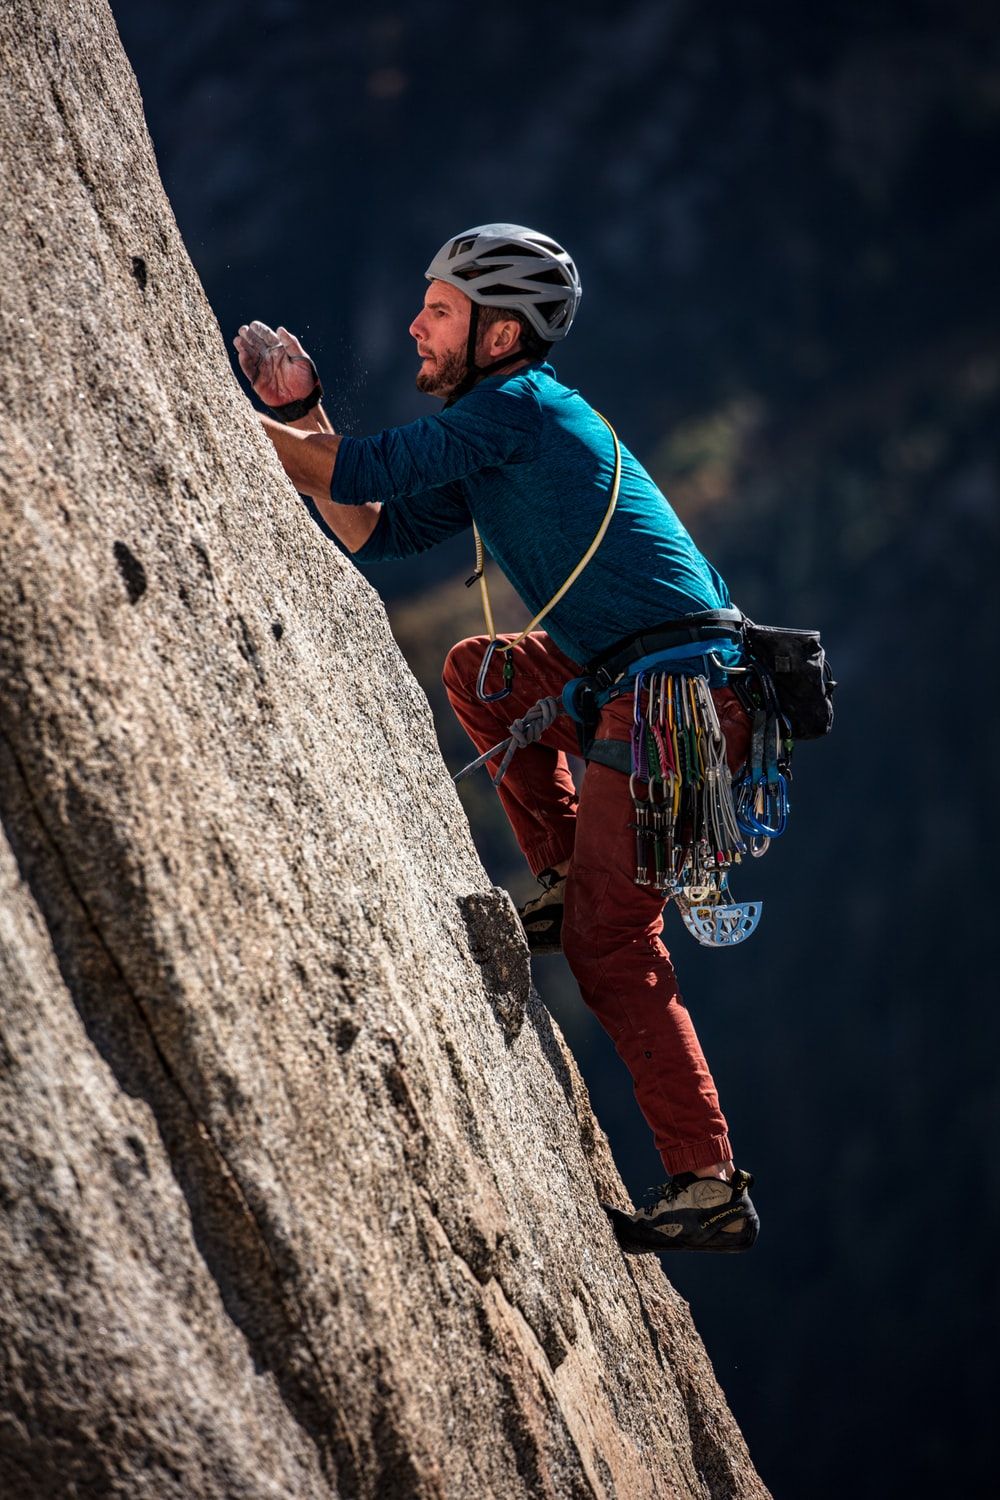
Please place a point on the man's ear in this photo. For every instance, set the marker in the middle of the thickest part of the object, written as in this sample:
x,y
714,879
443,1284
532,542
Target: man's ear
x,y
503,336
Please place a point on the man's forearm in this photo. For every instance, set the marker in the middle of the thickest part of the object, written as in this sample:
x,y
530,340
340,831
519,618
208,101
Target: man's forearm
x,y
313,421
306,457
307,450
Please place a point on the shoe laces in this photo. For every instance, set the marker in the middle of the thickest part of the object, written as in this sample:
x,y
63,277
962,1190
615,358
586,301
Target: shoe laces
x,y
667,1191
664,1192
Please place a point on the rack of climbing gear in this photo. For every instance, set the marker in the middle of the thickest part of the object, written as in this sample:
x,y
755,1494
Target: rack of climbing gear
x,y
687,834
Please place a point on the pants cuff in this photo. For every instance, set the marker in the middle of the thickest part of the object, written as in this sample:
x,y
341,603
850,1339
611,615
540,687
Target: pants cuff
x,y
697,1158
552,852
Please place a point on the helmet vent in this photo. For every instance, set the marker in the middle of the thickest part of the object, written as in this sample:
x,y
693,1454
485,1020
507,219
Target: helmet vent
x,y
461,247
474,272
519,251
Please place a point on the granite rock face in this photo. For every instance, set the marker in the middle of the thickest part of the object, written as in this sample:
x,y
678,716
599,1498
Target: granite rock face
x,y
299,1186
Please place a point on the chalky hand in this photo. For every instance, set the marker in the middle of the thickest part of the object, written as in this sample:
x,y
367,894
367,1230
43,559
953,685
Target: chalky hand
x,y
275,363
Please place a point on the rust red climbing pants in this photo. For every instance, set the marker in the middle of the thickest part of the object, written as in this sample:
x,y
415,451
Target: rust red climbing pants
x,y
611,927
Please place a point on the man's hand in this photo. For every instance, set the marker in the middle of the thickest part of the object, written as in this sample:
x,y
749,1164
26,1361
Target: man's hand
x,y
281,372
275,363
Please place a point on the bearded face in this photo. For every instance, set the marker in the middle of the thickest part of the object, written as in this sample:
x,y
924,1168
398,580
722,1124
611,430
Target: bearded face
x,y
439,374
441,331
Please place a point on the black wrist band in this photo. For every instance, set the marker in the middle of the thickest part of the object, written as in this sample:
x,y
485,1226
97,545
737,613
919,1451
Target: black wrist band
x,y
292,410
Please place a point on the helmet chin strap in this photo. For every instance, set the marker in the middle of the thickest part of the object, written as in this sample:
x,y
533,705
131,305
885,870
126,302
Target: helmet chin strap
x,y
473,372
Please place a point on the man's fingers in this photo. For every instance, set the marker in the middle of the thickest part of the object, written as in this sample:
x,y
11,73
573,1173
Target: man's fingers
x,y
249,364
290,342
249,349
258,340
257,346
274,362
293,347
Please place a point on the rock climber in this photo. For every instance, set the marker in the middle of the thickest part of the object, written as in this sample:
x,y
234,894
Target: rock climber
x,y
531,463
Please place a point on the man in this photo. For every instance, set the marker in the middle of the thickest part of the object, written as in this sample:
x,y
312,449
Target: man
x,y
533,465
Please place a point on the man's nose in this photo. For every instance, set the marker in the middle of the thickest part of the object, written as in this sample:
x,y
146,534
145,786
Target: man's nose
x,y
415,329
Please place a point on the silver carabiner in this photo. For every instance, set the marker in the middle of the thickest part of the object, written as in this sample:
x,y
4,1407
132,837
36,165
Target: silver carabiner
x,y
508,674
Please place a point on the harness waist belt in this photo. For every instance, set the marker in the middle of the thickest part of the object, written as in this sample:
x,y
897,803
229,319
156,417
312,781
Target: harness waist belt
x,y
710,625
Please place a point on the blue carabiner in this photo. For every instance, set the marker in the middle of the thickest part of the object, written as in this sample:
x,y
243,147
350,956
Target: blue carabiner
x,y
771,822
776,808
508,674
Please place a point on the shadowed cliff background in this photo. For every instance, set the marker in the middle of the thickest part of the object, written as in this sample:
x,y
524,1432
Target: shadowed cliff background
x,y
788,230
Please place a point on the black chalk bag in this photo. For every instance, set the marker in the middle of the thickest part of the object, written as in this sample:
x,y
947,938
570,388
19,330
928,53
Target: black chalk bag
x,y
797,666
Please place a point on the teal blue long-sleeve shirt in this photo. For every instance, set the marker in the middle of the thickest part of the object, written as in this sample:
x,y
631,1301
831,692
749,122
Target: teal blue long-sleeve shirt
x,y
532,464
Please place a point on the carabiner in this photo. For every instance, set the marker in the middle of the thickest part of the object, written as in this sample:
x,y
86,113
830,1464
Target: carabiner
x,y
508,673
762,807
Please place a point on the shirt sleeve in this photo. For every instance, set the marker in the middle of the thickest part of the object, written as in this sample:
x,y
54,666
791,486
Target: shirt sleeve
x,y
486,428
412,523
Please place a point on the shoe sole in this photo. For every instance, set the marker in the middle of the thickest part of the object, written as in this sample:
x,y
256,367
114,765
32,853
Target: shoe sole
x,y
637,1241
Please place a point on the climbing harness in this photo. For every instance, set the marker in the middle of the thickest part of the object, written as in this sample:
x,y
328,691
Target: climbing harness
x,y
692,824
479,576
688,835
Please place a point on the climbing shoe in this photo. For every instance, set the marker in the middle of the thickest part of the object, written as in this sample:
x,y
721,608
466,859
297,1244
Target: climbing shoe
x,y
690,1213
542,918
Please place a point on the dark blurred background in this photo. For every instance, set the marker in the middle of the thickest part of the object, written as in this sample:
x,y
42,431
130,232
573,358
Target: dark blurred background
x,y
788,225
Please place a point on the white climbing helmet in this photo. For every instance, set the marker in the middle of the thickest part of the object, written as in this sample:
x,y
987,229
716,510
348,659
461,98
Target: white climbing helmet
x,y
507,265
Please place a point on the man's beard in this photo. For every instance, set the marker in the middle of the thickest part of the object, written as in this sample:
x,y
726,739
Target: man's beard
x,y
442,375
